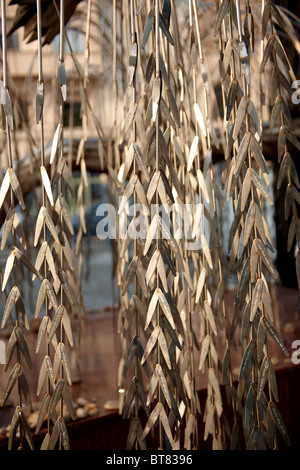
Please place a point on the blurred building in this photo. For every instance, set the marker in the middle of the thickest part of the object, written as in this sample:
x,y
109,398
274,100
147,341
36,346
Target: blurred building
x,y
23,73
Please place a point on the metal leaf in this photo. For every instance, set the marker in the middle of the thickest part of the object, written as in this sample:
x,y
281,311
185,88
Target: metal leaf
x,y
148,28
130,273
23,345
249,221
279,422
225,366
275,336
54,435
260,185
57,394
140,6
8,268
132,62
163,384
8,224
263,375
204,351
150,67
266,258
165,307
13,428
66,322
227,53
275,120
249,406
210,317
267,302
173,106
128,121
151,343
141,195
161,189
64,434
291,137
271,428
193,152
25,427
26,262
41,332
56,321
39,101
222,12
153,185
254,116
202,185
24,387
156,95
260,339
281,143
66,213
67,251
200,284
209,421
46,371
167,257
166,425
164,27
62,80
10,348
151,308
55,142
14,182
273,381
132,433
256,297
68,401
49,223
152,419
241,112
7,106
13,376
200,118
166,234
256,151
130,354
245,189
65,361
215,384
66,286
206,250
10,301
231,98
265,19
164,348
140,159
242,153
246,358
47,184
293,230
267,52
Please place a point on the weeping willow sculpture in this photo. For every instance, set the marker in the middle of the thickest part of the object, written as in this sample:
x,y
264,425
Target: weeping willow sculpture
x,y
173,318
173,162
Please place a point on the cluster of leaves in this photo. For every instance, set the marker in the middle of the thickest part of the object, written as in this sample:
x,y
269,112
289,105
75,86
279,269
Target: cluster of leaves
x,y
56,260
167,139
